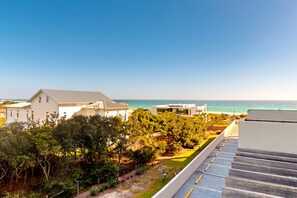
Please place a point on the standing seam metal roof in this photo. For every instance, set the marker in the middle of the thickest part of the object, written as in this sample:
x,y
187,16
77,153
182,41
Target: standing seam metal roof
x,y
83,97
65,96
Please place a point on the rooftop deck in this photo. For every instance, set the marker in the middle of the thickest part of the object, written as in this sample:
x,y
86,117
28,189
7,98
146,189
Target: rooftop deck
x,y
209,179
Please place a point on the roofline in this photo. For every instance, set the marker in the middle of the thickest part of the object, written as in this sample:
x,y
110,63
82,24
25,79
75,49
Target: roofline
x,y
32,97
118,108
69,103
61,103
38,92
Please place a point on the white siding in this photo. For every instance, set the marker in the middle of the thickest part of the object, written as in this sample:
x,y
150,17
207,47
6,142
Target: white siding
x,y
68,111
114,113
40,109
11,115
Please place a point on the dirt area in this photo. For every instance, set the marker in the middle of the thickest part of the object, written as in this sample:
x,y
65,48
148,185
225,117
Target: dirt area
x,y
131,184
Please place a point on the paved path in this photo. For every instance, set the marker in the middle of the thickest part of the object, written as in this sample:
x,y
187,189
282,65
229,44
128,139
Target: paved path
x,y
212,171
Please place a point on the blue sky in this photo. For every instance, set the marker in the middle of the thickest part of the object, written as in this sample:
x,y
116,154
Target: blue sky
x,y
169,49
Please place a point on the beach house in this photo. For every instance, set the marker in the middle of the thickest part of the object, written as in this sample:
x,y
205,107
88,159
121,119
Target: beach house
x,y
64,103
181,109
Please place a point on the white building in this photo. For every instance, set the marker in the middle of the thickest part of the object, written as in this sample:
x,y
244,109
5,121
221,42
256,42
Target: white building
x,y
64,103
182,109
269,130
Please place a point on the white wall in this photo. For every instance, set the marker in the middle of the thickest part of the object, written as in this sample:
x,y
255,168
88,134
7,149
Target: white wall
x,y
40,109
268,136
154,110
273,115
193,111
22,115
91,112
68,111
113,113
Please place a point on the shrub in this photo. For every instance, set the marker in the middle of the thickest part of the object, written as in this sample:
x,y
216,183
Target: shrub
x,y
139,169
143,155
113,182
196,139
94,191
161,148
35,195
103,170
103,187
189,144
173,148
60,188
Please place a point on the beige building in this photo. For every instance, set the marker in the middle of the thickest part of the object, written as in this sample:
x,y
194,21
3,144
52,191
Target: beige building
x,y
66,104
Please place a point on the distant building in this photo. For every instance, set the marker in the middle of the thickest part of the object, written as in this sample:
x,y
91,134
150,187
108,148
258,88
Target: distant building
x,y
181,109
66,104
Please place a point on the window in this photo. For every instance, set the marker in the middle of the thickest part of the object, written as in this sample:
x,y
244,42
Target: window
x,y
47,116
39,99
27,114
32,115
47,99
10,113
18,113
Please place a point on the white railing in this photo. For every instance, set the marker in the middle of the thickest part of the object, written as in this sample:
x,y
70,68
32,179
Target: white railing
x,y
176,183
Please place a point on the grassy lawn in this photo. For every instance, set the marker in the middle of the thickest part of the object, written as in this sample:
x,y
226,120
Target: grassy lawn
x,y
177,162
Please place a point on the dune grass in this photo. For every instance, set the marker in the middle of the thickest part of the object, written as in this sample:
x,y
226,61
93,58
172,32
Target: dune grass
x,y
175,163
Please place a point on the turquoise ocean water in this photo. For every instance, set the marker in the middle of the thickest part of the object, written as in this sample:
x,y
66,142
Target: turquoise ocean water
x,y
230,106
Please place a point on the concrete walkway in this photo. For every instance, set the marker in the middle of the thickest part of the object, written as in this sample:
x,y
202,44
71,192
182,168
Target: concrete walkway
x,y
209,178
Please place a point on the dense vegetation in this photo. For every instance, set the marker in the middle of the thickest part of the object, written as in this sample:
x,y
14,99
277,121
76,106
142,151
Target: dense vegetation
x,y
2,121
50,158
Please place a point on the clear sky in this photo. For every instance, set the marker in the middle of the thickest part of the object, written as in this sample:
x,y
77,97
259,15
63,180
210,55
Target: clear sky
x,y
150,49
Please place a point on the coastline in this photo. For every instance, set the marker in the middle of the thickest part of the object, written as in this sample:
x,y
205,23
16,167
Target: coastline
x,y
219,106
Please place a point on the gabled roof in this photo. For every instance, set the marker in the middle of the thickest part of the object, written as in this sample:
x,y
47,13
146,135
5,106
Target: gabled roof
x,y
65,96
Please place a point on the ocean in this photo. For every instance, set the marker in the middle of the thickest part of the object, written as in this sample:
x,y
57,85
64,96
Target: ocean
x,y
221,106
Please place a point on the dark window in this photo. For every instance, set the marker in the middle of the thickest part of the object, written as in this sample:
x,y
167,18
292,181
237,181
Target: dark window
x,y
17,113
39,99
47,99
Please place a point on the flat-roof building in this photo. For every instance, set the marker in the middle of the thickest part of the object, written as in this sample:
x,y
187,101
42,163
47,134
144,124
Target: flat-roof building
x,y
181,109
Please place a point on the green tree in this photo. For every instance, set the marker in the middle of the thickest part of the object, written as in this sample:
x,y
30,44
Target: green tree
x,y
15,152
47,149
